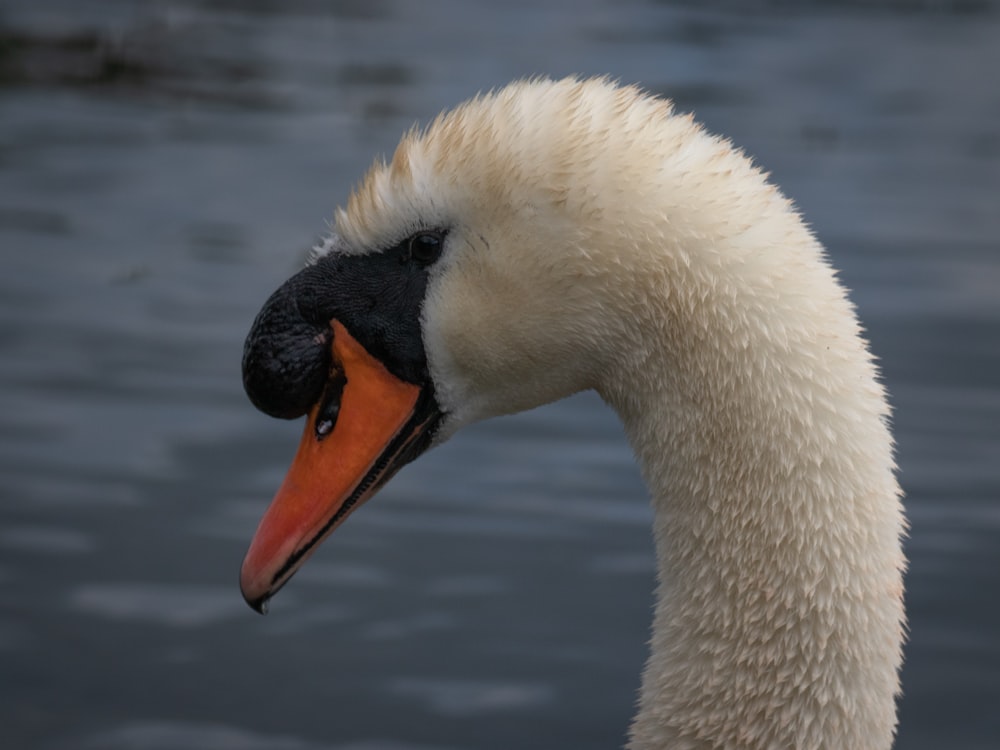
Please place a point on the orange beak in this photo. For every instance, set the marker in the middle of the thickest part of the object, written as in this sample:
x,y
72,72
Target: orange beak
x,y
364,428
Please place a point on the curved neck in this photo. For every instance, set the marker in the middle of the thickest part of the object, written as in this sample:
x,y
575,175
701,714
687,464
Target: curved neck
x,y
761,433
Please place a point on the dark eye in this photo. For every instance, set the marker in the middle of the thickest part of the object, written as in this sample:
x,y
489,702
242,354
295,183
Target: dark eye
x,y
425,247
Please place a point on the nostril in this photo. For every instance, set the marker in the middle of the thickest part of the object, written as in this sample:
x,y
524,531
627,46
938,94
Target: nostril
x,y
329,408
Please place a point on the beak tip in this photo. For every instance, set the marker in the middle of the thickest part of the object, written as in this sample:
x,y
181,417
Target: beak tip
x,y
257,602
259,605
255,595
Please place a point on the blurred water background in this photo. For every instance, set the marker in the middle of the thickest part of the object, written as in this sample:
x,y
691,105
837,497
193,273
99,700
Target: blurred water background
x,y
165,165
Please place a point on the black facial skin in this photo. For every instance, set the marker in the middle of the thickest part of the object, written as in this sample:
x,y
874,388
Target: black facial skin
x,y
376,296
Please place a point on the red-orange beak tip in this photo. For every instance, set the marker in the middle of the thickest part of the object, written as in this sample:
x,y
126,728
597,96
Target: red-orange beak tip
x,y
255,592
258,605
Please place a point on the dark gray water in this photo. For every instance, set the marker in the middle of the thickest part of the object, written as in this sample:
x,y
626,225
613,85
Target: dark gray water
x,y
163,166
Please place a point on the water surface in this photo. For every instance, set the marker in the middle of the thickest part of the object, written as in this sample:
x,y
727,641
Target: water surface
x,y
164,166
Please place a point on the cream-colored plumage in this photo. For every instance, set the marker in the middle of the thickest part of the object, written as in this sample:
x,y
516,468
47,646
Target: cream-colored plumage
x,y
595,239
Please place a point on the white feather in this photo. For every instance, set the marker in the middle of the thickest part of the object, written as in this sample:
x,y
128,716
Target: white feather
x,y
598,240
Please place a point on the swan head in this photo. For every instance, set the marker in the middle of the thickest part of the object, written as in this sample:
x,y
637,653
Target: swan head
x,y
556,236
497,262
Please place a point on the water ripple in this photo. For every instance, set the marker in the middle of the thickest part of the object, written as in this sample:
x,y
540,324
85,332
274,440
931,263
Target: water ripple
x,y
471,697
174,605
170,735
45,540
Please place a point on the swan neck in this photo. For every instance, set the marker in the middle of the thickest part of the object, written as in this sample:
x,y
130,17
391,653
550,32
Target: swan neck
x,y
762,435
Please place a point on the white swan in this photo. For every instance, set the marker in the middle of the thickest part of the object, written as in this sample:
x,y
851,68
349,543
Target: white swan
x,y
556,236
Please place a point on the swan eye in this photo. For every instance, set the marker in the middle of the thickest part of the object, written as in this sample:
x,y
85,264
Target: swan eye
x,y
425,247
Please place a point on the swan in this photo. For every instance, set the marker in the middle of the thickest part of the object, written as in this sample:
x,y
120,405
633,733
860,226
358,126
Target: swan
x,y
561,235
